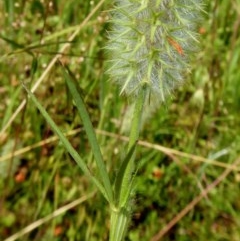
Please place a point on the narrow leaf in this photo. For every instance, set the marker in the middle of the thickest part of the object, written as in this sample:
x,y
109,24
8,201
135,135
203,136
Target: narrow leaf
x,y
66,143
121,172
76,95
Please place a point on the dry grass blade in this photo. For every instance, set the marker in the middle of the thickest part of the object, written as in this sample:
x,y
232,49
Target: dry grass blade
x,y
170,152
56,213
36,145
193,203
167,151
51,64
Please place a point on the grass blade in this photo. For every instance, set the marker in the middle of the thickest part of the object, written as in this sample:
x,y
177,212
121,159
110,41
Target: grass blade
x,y
75,92
66,143
121,171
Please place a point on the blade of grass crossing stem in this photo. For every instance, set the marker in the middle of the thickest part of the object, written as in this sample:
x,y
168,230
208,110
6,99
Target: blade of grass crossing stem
x,y
75,92
67,144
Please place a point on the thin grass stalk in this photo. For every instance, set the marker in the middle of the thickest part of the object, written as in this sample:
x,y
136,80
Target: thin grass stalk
x,y
67,144
90,134
133,138
121,213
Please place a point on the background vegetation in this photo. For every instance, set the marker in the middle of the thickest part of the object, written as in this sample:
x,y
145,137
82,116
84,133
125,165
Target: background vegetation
x,y
37,176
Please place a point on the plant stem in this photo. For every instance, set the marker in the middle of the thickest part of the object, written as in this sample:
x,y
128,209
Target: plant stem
x,y
119,223
125,190
120,214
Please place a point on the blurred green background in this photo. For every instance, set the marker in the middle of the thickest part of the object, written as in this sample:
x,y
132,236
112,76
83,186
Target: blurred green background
x,y
202,118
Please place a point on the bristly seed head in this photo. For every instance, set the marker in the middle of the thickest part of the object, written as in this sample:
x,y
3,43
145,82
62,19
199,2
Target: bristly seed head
x,y
150,44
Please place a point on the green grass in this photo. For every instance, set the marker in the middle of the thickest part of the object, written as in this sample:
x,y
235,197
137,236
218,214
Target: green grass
x,y
202,118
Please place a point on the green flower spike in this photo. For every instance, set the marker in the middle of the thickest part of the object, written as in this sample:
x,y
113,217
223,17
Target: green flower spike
x,y
150,44
149,50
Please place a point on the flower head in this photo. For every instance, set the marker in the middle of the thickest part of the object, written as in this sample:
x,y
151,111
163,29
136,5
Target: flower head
x,y
150,44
